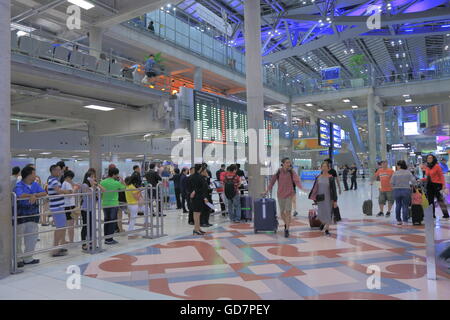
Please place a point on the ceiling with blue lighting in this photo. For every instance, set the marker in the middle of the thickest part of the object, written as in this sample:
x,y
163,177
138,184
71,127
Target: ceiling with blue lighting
x,y
305,36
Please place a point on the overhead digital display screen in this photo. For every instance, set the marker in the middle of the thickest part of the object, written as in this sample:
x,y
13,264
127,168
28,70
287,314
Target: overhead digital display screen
x,y
220,120
324,133
337,138
410,128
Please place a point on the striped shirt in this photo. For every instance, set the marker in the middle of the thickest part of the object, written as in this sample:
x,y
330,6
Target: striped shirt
x,y
56,202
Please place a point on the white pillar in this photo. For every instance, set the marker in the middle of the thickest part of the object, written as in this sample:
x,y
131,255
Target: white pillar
x,y
255,99
289,125
95,41
198,78
95,150
5,143
383,143
372,131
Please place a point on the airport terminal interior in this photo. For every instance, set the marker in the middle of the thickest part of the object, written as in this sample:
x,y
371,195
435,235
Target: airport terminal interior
x,y
224,149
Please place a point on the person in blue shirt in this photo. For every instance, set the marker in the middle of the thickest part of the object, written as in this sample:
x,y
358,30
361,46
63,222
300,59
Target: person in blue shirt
x,y
27,214
149,68
444,166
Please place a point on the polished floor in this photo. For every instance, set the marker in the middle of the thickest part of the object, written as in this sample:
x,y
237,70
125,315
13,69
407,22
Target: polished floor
x,y
231,262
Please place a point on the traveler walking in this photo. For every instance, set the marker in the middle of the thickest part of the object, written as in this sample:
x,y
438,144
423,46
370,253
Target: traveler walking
x,y
231,183
27,214
435,182
344,176
176,181
353,172
137,173
334,174
188,190
286,178
151,27
153,178
205,213
198,196
384,175
325,195
183,178
111,201
149,68
401,182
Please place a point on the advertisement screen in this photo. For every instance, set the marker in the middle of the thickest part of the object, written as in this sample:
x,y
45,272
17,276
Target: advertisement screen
x,y
307,144
410,128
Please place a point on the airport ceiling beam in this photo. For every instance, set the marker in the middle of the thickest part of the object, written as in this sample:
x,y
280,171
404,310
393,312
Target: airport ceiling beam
x,y
36,11
409,18
352,32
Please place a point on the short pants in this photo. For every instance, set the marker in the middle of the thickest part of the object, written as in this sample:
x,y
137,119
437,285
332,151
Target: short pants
x,y
386,196
59,218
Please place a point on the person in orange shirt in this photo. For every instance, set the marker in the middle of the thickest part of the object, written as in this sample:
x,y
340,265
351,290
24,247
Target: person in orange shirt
x,y
435,184
384,175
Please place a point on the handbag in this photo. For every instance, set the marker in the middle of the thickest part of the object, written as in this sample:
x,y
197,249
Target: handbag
x,y
336,214
425,203
320,197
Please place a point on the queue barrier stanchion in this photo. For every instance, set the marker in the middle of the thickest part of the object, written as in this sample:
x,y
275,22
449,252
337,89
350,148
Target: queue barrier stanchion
x,y
152,209
430,243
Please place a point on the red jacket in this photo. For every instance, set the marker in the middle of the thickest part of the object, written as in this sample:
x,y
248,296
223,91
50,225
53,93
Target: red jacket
x,y
436,174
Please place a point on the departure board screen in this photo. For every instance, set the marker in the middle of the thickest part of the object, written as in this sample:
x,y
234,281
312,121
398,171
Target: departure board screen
x,y
220,120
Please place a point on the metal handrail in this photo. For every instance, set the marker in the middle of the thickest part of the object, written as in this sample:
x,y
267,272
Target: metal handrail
x,y
94,222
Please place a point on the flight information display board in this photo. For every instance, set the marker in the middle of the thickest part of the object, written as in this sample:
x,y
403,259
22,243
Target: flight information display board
x,y
324,133
337,140
220,120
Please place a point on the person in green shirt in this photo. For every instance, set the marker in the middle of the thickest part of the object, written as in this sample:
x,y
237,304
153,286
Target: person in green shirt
x,y
110,201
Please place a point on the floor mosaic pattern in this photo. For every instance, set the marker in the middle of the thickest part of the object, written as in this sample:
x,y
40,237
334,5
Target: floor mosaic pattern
x,y
232,262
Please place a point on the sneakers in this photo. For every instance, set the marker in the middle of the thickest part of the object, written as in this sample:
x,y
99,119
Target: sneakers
x,y
111,242
20,264
380,214
295,213
388,214
321,227
286,233
34,261
399,223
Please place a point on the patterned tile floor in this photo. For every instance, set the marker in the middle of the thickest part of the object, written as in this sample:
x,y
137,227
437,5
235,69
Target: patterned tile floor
x,y
232,262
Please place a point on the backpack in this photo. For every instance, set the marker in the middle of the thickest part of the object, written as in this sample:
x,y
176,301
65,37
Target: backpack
x,y
230,191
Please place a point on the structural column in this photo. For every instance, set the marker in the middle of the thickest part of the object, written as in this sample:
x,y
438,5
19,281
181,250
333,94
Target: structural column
x,y
255,100
198,78
289,126
372,131
95,150
5,143
383,142
95,41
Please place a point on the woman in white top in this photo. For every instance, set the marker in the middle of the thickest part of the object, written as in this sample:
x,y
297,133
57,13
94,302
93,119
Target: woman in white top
x,y
69,202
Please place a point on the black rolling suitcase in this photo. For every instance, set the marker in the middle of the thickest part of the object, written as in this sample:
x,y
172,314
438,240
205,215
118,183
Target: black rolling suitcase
x,y
246,208
368,204
265,215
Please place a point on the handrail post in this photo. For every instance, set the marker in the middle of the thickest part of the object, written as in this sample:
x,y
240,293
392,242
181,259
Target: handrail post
x,y
152,210
146,213
14,269
158,209
99,220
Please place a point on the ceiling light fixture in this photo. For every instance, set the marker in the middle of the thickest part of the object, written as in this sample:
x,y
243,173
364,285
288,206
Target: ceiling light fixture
x,y
320,110
346,100
86,5
309,105
100,108
355,107
408,100
45,153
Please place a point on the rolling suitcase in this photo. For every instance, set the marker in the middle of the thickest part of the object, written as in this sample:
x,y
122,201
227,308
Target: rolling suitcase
x,y
314,222
246,208
368,204
265,215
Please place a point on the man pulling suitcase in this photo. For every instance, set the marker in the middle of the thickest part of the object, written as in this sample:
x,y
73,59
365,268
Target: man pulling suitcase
x,y
286,178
